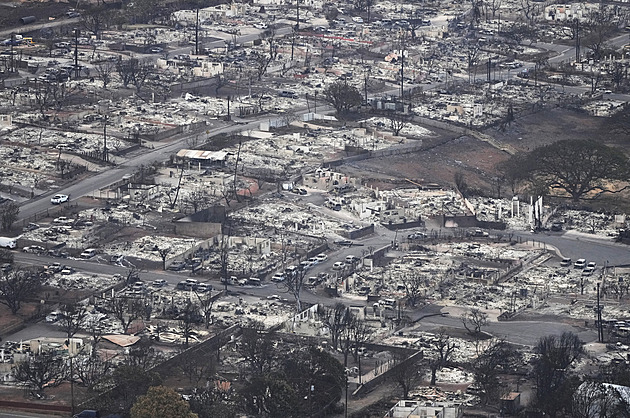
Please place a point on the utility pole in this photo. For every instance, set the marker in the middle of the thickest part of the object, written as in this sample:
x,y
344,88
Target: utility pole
x,y
365,84
577,40
71,386
489,65
197,34
346,405
402,68
600,331
12,59
76,53
238,156
297,8
105,117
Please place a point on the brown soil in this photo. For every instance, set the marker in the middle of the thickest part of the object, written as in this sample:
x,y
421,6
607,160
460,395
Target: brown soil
x,y
551,125
474,158
447,153
10,16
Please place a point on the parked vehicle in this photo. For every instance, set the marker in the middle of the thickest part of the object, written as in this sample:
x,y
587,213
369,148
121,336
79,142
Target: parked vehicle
x,y
177,265
321,257
388,303
159,283
229,280
579,264
278,277
8,242
89,253
566,262
185,285
87,413
339,265
54,316
290,271
253,281
204,287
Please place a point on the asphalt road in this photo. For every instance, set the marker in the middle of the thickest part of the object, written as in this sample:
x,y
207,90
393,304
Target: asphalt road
x,y
222,43
602,251
105,178
517,332
520,332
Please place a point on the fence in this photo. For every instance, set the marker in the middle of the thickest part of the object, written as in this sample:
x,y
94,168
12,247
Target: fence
x,y
51,212
394,150
358,233
167,133
206,347
47,408
378,377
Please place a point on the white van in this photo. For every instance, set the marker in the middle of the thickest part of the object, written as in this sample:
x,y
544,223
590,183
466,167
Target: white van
x,y
53,316
89,253
388,303
8,242
254,281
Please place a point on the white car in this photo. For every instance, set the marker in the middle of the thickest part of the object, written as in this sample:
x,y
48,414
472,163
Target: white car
x,y
89,253
159,283
339,265
278,277
321,257
59,198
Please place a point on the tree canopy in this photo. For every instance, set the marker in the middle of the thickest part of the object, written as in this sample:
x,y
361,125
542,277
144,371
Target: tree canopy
x,y
307,374
343,96
576,167
555,384
161,401
18,285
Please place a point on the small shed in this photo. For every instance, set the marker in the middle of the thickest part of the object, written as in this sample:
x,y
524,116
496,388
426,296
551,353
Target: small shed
x,y
201,158
511,403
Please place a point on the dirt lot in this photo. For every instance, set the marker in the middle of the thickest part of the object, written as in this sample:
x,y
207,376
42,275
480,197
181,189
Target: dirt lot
x,y
10,13
551,125
476,159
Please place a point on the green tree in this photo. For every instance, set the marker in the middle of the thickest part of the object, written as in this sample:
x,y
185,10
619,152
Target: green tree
x,y
161,401
343,97
576,167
